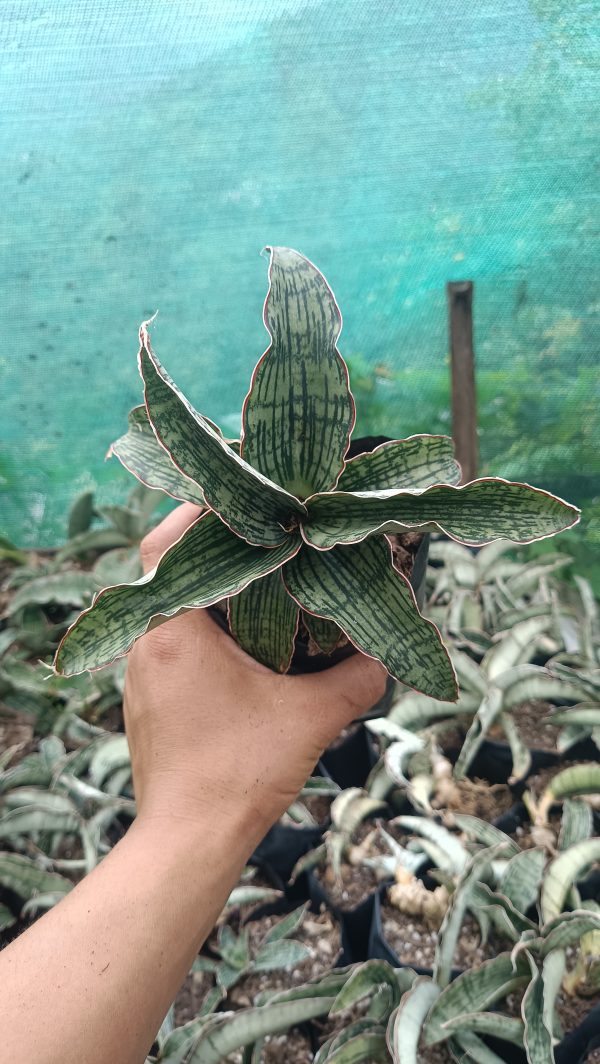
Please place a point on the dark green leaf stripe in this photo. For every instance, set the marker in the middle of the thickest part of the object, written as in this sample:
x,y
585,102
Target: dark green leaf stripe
x,y
299,412
253,506
375,606
264,620
416,462
326,634
141,453
477,513
208,563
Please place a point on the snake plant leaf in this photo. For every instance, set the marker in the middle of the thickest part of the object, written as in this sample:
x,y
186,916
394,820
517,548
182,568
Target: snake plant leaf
x,y
563,872
81,514
538,1037
577,823
252,505
325,634
493,1024
489,709
21,875
553,970
474,991
474,1050
406,1022
474,514
70,588
374,605
455,914
417,462
228,1031
485,833
277,955
507,919
522,878
450,844
365,979
337,1041
205,565
141,454
567,929
299,412
585,714
506,652
571,782
520,752
287,926
526,683
264,620
369,1045
6,918
415,711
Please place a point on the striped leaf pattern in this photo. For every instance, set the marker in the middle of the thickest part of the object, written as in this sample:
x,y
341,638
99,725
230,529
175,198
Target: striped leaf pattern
x,y
252,505
141,453
264,619
374,605
326,634
477,513
416,462
206,564
299,412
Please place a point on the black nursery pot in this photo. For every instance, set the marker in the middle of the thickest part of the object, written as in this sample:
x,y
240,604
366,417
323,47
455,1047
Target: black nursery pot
x,y
303,662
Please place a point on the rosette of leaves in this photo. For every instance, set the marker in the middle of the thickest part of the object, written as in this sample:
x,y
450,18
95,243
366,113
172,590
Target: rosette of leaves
x,y
291,528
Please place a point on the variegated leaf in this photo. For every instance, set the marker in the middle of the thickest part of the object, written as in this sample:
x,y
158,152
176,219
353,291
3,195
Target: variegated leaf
x,y
264,620
494,1024
406,1023
522,878
299,412
206,564
476,513
563,872
474,991
577,823
567,929
538,1038
325,634
251,504
374,605
416,462
141,453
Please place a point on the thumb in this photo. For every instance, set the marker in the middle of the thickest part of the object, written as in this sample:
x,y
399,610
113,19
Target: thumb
x,y
348,690
154,545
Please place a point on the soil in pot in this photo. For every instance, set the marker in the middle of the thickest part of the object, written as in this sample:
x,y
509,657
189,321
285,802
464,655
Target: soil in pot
x,y
573,1009
319,932
531,723
188,1002
318,805
356,880
414,941
475,797
537,784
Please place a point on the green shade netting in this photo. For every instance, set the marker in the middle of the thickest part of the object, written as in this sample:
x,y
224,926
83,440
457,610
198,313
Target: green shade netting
x,y
151,148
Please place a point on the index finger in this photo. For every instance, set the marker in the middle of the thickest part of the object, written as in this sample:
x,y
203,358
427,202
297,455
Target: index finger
x,y
154,545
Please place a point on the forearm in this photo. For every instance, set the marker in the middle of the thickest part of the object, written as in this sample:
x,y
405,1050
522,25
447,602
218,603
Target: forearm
x,y
92,980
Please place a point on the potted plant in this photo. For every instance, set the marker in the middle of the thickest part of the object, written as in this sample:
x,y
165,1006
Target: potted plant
x,y
294,534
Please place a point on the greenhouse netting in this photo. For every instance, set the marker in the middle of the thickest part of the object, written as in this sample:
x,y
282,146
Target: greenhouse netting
x,y
150,149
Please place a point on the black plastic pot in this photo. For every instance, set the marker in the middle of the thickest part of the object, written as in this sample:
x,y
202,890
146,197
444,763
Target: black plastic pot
x,y
281,848
355,922
350,761
493,762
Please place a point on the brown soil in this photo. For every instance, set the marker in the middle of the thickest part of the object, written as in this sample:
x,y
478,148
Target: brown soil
x,y
404,548
319,932
354,884
16,731
292,1047
414,942
532,726
190,997
527,837
573,1010
538,783
475,797
318,806
435,1055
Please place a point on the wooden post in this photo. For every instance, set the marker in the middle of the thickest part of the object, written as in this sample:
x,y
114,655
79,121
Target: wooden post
x,y
462,368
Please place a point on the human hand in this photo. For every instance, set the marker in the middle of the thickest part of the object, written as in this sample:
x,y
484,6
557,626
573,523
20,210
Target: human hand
x,y
210,729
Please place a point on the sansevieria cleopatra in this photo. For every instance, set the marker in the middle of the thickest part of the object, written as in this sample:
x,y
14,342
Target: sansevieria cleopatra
x,y
292,531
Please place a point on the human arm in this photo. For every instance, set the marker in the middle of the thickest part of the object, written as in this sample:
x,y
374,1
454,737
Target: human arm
x,y
220,747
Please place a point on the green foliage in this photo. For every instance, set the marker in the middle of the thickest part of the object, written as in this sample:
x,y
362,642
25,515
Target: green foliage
x,y
289,490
